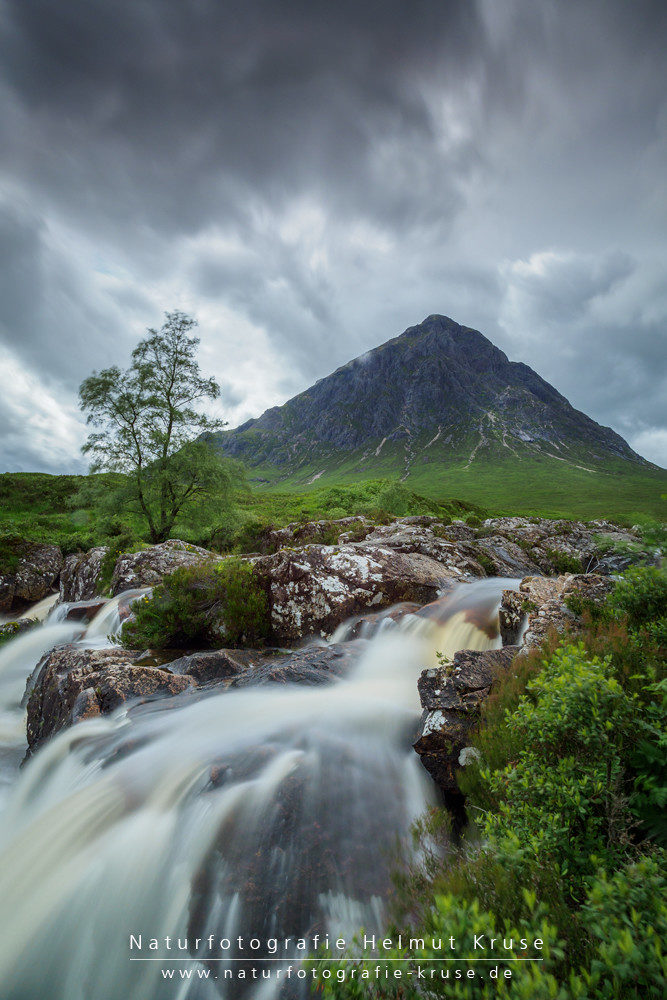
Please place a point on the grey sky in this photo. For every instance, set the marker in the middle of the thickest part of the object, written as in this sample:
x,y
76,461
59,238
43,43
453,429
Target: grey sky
x,y
310,178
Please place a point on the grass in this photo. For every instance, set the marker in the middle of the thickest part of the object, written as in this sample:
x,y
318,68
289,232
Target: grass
x,y
538,485
40,507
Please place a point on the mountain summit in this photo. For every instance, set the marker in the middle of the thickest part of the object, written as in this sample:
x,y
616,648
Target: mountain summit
x,y
438,394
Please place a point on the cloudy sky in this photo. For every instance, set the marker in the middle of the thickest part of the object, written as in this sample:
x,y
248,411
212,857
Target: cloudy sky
x,y
310,178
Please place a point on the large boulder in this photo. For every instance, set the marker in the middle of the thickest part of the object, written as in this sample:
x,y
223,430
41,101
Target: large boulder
x,y
451,696
36,572
314,589
539,606
506,557
147,568
74,683
79,580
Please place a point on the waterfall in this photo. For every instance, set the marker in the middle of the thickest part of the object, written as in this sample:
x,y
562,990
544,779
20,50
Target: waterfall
x,y
42,609
265,812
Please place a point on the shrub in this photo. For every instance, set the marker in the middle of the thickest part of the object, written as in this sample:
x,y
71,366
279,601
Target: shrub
x,y
569,790
625,918
202,606
564,563
641,594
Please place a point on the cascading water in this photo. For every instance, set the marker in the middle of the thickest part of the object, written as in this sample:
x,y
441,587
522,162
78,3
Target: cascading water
x,y
265,812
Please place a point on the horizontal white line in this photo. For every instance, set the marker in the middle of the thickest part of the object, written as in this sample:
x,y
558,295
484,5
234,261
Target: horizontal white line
x,y
368,961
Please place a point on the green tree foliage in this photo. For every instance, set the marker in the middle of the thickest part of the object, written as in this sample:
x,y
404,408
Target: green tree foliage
x,y
147,430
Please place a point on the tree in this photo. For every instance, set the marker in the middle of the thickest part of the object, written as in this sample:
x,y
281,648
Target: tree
x,y
148,428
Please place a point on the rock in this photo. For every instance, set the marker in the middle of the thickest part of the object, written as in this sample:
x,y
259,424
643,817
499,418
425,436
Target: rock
x,y
310,666
508,558
217,664
513,610
366,625
147,567
73,683
559,545
314,589
451,696
79,580
9,630
6,591
37,572
539,606
82,611
322,532
421,535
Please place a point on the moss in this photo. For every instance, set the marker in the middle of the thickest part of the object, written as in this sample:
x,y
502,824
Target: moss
x,y
10,630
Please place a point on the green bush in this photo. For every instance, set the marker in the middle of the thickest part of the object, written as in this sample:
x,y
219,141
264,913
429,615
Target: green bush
x,y
203,606
568,799
641,594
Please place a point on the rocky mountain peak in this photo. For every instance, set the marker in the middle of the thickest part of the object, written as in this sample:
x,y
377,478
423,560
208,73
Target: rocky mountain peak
x,y
438,392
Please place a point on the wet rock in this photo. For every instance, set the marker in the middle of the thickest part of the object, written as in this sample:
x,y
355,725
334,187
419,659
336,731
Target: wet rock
x,y
513,610
6,592
314,589
79,580
73,683
539,607
217,664
310,666
451,696
83,611
366,625
9,630
147,567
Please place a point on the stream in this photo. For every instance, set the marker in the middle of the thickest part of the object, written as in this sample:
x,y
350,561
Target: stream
x,y
271,812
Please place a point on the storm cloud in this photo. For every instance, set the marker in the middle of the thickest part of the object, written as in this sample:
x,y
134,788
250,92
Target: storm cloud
x,y
310,178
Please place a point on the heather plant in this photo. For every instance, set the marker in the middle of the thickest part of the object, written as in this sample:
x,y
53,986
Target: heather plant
x,y
216,604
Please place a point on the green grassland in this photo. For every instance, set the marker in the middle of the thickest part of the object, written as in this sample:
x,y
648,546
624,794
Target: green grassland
x,y
41,507
543,486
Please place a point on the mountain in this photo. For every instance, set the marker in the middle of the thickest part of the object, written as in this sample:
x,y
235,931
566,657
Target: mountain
x,y
440,400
